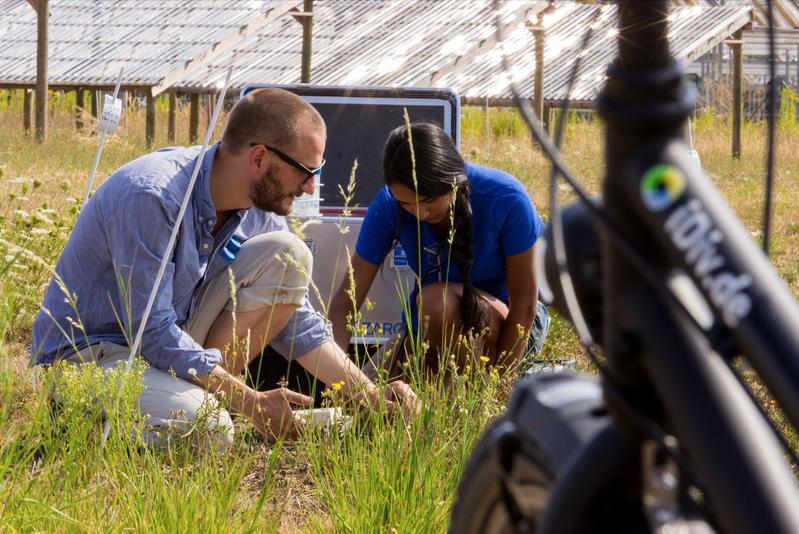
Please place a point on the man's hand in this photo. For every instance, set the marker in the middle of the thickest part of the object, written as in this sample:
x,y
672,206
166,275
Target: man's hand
x,y
269,412
272,414
401,393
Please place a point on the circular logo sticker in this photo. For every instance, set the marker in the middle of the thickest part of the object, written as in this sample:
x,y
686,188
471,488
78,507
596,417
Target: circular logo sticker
x,y
661,186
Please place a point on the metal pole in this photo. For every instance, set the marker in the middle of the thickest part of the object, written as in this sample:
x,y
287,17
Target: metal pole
x,y
194,117
41,70
209,108
149,131
172,116
538,89
307,37
26,109
103,134
79,103
737,93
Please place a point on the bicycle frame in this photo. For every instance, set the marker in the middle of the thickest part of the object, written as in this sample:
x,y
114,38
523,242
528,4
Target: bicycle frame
x,y
666,354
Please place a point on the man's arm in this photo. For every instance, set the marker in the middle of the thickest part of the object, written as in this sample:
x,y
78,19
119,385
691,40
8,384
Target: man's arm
x,y
332,366
270,412
137,232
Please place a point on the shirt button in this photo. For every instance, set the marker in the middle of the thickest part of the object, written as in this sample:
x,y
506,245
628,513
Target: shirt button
x,y
201,218
205,246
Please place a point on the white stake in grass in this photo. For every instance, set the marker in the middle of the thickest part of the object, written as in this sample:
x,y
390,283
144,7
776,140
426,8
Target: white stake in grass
x,y
172,238
109,120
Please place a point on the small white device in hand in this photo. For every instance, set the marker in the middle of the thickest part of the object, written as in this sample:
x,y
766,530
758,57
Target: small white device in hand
x,y
324,417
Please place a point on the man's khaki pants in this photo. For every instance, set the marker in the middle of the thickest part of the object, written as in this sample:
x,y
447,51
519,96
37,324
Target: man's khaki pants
x,y
271,268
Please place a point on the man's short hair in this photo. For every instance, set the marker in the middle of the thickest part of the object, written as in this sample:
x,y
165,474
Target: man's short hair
x,y
269,115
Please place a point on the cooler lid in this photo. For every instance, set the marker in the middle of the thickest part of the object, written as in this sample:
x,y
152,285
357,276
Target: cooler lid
x,y
359,120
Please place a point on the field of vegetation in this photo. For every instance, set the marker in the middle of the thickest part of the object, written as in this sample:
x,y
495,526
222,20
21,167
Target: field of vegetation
x,y
384,474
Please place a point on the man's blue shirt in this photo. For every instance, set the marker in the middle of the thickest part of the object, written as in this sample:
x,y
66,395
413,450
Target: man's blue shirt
x,y
504,223
107,269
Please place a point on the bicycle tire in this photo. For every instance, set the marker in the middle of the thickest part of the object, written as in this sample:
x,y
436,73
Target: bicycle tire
x,y
480,505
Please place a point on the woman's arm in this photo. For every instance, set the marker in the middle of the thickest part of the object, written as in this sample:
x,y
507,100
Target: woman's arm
x,y
346,301
331,365
523,297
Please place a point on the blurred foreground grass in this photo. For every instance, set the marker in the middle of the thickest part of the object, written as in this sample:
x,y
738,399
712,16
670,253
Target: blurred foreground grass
x,y
381,475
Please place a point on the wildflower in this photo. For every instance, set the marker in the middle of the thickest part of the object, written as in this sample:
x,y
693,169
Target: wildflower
x,y
192,372
468,368
338,385
484,359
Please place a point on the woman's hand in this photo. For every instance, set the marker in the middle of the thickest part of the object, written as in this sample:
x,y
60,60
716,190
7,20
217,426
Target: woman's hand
x,y
401,393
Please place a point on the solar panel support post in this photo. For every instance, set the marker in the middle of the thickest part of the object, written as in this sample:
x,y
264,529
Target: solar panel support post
x,y
95,102
737,93
487,123
79,105
172,116
149,130
194,117
538,89
210,104
307,39
43,12
26,109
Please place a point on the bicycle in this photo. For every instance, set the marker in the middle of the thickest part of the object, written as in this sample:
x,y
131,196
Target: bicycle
x,y
673,287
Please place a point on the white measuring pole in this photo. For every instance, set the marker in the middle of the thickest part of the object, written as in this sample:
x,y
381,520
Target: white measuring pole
x,y
172,238
109,119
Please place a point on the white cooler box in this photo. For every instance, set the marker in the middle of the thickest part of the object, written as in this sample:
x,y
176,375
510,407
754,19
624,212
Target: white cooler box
x,y
392,286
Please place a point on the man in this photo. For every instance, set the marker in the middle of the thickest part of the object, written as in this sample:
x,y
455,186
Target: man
x,y
202,331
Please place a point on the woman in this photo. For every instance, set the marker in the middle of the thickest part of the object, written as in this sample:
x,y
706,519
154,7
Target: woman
x,y
476,230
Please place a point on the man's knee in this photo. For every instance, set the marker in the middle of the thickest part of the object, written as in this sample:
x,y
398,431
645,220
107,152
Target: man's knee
x,y
173,408
293,259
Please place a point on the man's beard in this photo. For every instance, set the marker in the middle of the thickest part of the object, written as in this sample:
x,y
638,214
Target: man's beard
x,y
266,193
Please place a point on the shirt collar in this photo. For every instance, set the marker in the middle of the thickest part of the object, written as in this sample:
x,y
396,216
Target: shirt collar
x,y
202,190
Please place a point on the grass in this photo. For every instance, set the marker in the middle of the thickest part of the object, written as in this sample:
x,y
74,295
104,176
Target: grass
x,y
382,475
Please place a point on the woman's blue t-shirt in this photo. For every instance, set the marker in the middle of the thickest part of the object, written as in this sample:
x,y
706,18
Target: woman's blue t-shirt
x,y
504,223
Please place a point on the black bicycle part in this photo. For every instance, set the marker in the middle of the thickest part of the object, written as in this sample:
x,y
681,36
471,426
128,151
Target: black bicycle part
x,y
644,136
643,80
507,481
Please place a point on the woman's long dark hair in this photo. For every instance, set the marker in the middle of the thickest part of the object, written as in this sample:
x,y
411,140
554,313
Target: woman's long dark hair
x,y
440,169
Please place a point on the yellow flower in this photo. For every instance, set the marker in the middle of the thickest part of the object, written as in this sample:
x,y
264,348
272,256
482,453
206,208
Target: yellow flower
x,y
337,385
484,359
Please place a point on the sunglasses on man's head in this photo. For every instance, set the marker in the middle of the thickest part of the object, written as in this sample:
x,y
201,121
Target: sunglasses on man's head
x,y
294,163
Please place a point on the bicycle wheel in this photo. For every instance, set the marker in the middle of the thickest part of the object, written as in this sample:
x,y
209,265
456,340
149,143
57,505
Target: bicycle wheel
x,y
482,504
